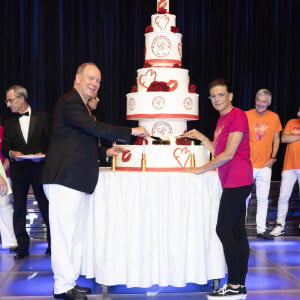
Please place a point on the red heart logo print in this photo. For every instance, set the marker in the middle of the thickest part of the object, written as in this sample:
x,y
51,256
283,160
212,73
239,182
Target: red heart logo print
x,y
162,22
182,155
146,79
180,49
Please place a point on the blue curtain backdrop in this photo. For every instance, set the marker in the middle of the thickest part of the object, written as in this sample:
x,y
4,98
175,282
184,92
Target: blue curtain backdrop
x,y
253,43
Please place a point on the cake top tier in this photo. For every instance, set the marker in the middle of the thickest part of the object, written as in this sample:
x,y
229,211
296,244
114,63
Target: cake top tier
x,y
162,6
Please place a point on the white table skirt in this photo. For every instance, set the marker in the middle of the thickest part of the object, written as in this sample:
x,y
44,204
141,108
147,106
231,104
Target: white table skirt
x,y
147,228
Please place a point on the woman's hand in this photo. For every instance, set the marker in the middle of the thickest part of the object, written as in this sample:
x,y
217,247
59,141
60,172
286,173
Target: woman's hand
x,y
195,134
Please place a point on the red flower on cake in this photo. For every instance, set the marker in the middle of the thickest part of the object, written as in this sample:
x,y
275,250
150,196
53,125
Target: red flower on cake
x,y
140,140
193,88
133,89
146,65
149,29
161,10
174,29
176,66
158,86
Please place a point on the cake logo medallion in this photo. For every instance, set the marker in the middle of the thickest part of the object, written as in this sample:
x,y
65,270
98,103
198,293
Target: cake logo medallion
x,y
162,22
131,104
146,79
158,102
126,156
182,156
188,103
161,128
180,49
161,46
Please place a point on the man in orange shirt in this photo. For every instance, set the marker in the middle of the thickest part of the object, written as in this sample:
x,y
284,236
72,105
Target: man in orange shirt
x,y
290,171
264,128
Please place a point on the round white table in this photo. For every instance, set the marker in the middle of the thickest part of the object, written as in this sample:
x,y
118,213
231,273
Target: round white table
x,y
147,228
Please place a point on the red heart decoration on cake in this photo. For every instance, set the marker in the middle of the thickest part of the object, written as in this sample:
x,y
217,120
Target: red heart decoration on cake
x,y
180,49
146,79
162,22
172,84
182,155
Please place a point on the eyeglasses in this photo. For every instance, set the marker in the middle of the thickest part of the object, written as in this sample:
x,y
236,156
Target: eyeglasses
x,y
214,97
10,100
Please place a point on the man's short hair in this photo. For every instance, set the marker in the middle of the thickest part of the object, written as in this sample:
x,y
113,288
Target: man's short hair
x,y
19,91
264,92
81,68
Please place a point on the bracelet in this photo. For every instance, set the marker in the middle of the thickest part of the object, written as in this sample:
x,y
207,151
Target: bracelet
x,y
273,157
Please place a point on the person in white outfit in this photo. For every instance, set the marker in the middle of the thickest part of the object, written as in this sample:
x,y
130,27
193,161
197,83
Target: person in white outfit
x,y
290,171
8,238
264,128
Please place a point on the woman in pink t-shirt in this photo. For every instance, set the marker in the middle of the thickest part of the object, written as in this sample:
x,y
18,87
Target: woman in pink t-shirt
x,y
232,159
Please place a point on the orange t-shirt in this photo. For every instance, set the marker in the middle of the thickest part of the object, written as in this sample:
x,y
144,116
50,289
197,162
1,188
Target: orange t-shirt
x,y
292,153
262,129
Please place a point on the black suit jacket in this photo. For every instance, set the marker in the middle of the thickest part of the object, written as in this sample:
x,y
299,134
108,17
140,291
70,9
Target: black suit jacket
x,y
72,156
38,134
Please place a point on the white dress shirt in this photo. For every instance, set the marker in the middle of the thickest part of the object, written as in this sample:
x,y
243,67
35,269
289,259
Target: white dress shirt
x,y
24,124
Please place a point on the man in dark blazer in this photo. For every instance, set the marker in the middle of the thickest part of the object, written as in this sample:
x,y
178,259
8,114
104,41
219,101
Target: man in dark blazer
x,y
71,173
26,132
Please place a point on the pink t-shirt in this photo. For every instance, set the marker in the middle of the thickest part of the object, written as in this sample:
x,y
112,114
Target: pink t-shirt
x,y
237,172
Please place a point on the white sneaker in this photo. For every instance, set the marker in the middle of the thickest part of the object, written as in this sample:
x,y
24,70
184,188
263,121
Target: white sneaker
x,y
277,230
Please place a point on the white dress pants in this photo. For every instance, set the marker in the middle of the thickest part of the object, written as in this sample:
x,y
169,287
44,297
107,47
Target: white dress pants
x,y
262,179
8,238
288,180
67,216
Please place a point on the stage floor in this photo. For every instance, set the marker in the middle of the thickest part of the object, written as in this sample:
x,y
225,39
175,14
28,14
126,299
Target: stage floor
x,y
274,274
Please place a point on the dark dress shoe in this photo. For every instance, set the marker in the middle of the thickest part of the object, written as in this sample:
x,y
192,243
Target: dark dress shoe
x,y
82,290
21,255
72,294
265,236
48,251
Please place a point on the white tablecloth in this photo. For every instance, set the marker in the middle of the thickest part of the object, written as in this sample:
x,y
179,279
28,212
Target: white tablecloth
x,y
147,228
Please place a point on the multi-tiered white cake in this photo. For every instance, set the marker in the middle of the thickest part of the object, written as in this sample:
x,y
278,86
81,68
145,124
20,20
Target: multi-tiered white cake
x,y
163,101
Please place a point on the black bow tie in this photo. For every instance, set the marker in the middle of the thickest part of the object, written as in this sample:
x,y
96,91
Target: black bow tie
x,y
24,114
